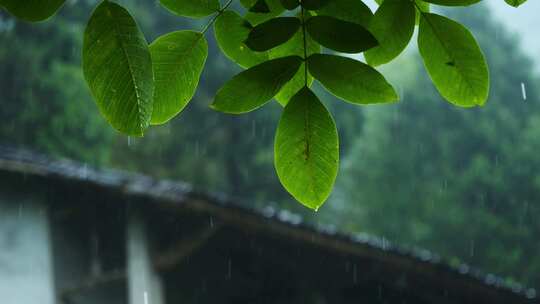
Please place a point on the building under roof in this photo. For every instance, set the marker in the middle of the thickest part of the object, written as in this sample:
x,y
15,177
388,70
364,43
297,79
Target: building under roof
x,y
70,234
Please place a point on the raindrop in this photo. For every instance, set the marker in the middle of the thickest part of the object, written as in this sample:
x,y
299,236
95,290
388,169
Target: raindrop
x,y
471,251
229,270
523,91
129,141
211,222
145,295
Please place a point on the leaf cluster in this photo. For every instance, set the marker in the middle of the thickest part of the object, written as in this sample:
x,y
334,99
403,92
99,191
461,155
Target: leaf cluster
x,y
284,45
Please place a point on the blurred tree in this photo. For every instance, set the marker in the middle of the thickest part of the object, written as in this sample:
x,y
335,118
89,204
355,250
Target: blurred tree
x,y
463,183
45,102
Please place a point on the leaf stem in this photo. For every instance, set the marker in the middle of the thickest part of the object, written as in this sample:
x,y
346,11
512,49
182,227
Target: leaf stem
x,y
305,46
214,18
418,8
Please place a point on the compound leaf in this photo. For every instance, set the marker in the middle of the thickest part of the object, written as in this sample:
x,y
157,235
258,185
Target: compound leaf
x,y
295,46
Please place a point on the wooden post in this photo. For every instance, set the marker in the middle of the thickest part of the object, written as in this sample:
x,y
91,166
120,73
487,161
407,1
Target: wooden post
x,y
144,283
26,272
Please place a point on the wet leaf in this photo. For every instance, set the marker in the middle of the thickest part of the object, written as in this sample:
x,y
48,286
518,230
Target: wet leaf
x,y
339,35
351,80
178,59
306,150
453,60
32,10
191,8
118,68
256,86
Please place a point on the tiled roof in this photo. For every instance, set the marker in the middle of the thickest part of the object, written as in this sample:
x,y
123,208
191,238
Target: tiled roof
x,y
282,223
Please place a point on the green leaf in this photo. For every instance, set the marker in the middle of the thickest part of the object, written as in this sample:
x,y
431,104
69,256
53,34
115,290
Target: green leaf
x,y
351,80
231,31
295,46
290,4
453,60
191,8
260,7
306,150
348,10
515,3
257,18
272,33
393,26
32,10
339,35
315,4
178,59
256,86
118,68
421,7
248,3
453,2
